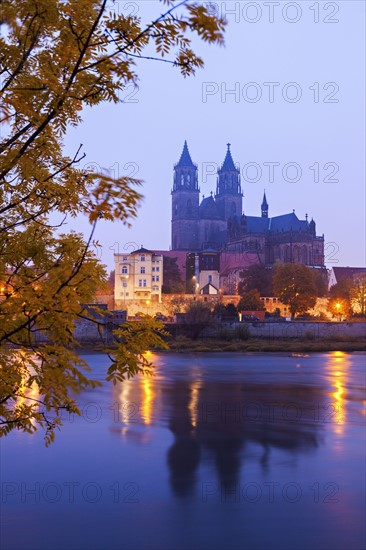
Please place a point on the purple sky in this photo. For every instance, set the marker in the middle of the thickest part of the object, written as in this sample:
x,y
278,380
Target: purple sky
x,y
324,129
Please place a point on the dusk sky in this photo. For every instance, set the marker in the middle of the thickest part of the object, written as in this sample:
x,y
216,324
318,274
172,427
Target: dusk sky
x,y
297,96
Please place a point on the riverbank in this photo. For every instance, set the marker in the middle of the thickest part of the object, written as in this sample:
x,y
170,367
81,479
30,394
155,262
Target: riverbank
x,y
183,345
252,345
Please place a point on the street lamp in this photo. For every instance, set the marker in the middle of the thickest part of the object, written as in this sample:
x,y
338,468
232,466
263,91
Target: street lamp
x,y
194,283
147,305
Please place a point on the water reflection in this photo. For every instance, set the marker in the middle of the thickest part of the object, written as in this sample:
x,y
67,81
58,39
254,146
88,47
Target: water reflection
x,y
148,400
227,418
218,422
222,423
337,369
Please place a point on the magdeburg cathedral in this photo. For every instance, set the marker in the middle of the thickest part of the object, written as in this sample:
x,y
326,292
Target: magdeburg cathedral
x,y
218,222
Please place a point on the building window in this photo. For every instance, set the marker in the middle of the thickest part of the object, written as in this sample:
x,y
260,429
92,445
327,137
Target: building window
x,y
153,278
142,270
210,278
124,269
142,257
158,269
157,278
125,258
127,293
124,283
153,268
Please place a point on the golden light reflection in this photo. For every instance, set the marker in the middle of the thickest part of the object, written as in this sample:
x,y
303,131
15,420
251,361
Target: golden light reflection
x,y
29,396
147,387
363,410
124,396
338,367
193,409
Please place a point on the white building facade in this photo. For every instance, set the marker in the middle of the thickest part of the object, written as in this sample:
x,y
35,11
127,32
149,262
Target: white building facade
x,y
138,279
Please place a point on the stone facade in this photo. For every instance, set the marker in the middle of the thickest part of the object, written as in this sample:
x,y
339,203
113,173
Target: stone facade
x,y
138,279
218,222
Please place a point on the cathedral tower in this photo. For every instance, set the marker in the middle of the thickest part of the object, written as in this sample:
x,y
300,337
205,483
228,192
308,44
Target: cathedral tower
x,y
229,198
264,206
185,203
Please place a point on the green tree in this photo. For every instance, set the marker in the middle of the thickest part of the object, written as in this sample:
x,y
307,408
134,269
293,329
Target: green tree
x,y
321,282
199,313
198,317
231,310
58,57
178,304
220,310
358,294
256,277
250,301
339,302
295,285
111,281
172,283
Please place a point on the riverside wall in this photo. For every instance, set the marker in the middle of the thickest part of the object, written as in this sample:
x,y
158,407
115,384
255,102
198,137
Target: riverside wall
x,y
306,329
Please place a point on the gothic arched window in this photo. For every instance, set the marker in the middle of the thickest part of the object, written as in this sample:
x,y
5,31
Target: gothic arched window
x,y
233,208
182,180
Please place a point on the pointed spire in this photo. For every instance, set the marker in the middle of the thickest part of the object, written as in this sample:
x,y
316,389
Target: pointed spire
x,y
228,164
185,158
264,201
264,206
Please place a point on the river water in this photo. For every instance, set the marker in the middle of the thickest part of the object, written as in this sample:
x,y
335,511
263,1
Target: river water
x,y
216,451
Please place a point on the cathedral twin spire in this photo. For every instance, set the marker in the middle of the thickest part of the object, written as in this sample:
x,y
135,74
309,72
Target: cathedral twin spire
x,y
228,163
228,181
186,177
185,172
185,158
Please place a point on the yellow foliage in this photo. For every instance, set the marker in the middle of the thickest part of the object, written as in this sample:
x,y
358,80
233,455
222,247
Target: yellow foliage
x,y
58,57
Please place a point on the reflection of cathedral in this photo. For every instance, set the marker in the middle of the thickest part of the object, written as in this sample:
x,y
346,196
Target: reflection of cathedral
x,y
218,221
229,416
216,420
